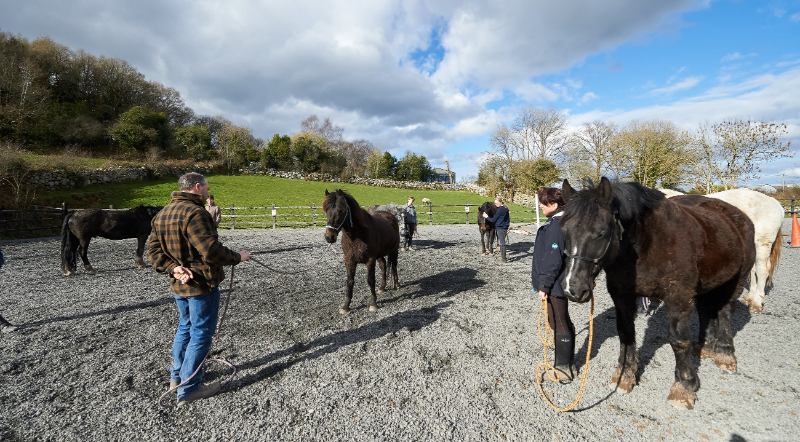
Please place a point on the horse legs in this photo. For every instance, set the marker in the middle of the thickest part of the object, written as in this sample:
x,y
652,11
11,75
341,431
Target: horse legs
x,y
393,266
382,263
716,339
84,249
483,242
758,280
490,237
682,393
140,252
373,306
351,277
628,364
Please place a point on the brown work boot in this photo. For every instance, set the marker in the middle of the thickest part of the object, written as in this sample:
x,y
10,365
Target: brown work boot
x,y
205,391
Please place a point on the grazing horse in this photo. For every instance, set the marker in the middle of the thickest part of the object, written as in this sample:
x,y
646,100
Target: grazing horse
x,y
488,232
767,216
78,228
366,238
688,251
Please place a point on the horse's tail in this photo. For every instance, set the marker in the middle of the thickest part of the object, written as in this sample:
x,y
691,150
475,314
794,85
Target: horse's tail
x,y
69,242
774,256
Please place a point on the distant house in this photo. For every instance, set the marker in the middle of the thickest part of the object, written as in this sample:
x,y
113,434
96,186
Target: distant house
x,y
439,175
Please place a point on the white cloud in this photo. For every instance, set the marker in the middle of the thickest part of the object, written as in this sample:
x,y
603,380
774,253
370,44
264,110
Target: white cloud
x,y
683,85
795,17
589,96
791,172
736,56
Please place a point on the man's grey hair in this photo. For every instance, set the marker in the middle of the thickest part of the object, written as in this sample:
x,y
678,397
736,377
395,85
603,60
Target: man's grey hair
x,y
188,180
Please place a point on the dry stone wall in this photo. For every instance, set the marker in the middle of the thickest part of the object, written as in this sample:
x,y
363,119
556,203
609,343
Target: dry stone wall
x,y
61,179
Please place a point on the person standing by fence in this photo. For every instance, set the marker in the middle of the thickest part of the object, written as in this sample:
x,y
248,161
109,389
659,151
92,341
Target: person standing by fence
x,y
410,222
184,245
213,209
502,222
5,326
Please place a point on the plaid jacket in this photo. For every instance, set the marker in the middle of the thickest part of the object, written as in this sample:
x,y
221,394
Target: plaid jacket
x,y
184,235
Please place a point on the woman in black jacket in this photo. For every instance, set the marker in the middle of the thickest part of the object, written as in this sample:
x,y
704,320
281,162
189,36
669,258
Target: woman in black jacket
x,y
502,222
547,273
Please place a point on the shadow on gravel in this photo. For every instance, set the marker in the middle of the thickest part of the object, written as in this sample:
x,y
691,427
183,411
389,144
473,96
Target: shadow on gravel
x,y
411,320
520,250
445,284
431,244
124,308
314,249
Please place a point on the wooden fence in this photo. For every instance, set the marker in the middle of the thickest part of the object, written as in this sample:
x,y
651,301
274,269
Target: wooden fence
x,y
46,221
312,216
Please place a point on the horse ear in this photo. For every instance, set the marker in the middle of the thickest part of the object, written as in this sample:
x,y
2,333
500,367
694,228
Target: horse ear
x,y
604,192
567,191
326,192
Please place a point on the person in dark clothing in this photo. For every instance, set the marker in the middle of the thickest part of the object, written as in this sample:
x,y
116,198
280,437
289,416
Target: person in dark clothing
x,y
501,222
5,326
411,223
547,273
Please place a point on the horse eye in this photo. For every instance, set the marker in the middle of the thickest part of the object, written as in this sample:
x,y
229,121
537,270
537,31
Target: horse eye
x,y
601,234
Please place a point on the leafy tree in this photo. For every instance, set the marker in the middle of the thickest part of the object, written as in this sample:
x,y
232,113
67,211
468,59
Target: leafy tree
x,y
309,152
195,141
413,167
140,128
236,146
278,153
530,176
652,152
381,165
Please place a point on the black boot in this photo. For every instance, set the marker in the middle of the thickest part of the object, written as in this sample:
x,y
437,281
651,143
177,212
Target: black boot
x,y
564,362
503,254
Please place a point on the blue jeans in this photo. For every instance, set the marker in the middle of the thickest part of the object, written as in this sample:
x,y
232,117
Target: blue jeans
x,y
198,322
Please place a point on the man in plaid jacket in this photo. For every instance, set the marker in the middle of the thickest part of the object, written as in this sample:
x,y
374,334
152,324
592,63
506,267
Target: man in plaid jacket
x,y
184,245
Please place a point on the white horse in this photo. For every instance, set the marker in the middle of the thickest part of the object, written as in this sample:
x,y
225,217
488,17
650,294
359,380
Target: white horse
x,y
767,216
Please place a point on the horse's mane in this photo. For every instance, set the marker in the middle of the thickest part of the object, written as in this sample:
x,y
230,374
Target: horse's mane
x,y
630,201
332,202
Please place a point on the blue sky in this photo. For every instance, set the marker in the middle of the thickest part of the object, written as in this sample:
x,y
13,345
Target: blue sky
x,y
437,77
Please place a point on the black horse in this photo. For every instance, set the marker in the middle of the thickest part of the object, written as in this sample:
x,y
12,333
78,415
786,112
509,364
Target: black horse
x,y
367,237
488,232
80,227
688,251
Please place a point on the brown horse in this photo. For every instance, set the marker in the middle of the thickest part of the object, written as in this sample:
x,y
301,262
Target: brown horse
x,y
367,237
488,232
688,251
80,227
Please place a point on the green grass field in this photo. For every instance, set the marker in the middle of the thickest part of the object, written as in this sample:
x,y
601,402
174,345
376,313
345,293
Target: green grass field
x,y
264,191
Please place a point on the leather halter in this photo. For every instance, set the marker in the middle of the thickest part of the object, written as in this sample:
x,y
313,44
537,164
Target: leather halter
x,y
608,244
346,215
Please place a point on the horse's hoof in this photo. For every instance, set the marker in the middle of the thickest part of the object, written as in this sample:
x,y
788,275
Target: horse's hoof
x,y
373,308
756,307
344,311
624,381
91,271
726,362
68,273
380,291
704,351
681,398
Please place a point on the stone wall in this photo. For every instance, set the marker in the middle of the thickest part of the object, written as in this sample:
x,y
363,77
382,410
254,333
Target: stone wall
x,y
60,179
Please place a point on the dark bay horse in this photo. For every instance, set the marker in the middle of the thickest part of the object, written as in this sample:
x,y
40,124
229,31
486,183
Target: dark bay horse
x,y
78,228
688,251
366,238
488,232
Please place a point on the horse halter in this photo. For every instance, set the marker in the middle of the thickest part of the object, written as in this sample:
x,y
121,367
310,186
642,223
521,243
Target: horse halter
x,y
608,244
346,215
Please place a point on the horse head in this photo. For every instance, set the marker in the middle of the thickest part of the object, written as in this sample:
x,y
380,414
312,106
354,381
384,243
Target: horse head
x,y
337,209
589,225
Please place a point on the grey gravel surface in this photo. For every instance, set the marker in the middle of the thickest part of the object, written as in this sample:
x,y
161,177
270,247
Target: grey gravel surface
x,y
450,356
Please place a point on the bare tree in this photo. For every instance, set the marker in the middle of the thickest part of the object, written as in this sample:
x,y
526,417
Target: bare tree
x,y
535,134
591,145
743,145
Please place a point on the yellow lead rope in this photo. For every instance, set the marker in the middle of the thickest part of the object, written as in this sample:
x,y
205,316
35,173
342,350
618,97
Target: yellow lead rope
x,y
546,365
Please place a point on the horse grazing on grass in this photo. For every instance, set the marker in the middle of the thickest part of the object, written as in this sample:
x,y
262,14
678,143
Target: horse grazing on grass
x,y
78,228
367,237
688,251
488,232
767,216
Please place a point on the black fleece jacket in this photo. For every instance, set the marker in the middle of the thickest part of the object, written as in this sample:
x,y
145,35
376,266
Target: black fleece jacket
x,y
547,270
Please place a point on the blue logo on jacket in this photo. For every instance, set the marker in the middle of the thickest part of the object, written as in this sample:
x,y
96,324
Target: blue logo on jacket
x,y
555,246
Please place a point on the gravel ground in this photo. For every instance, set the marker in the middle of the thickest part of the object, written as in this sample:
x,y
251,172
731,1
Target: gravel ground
x,y
450,356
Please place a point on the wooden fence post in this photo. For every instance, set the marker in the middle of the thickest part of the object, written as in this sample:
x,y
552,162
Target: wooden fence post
x,y
315,214
430,214
233,219
274,216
